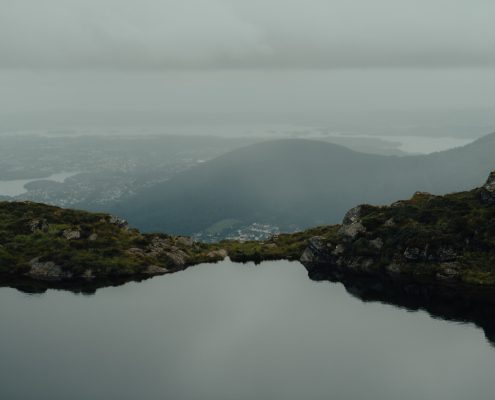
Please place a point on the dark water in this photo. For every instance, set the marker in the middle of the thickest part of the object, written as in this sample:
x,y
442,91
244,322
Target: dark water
x,y
231,331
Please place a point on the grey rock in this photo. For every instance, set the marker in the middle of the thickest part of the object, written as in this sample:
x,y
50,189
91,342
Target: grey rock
x,y
339,249
318,243
353,215
38,225
178,257
93,237
46,271
70,234
158,246
377,243
414,254
120,222
351,224
221,253
488,190
389,222
184,241
135,251
351,230
308,256
155,270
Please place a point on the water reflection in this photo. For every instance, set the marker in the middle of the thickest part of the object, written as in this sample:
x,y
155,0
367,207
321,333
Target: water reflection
x,y
439,302
232,331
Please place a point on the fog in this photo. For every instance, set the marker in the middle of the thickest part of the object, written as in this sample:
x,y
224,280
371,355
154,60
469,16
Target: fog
x,y
453,102
382,67
198,34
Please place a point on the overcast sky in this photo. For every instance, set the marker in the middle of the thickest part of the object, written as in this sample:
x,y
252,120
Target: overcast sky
x,y
246,33
279,57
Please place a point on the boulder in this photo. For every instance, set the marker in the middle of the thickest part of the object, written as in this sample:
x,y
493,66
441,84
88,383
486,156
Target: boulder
x,y
184,241
221,253
178,257
353,215
70,234
93,237
351,224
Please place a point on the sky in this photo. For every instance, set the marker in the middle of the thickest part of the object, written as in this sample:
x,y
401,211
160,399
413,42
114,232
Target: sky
x,y
225,57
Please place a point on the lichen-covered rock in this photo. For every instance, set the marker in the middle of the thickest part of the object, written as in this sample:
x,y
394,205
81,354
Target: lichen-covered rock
x,y
220,254
353,215
352,230
93,237
120,222
71,234
178,257
351,224
38,225
158,247
184,241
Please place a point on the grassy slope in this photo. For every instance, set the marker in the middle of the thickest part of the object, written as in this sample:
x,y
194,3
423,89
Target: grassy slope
x,y
107,254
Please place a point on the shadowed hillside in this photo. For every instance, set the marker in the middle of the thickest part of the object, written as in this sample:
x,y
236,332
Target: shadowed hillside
x,y
299,183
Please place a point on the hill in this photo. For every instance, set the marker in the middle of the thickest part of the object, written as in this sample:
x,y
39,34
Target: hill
x,y
299,183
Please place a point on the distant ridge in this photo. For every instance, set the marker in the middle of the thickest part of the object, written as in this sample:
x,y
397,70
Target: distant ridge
x,y
300,183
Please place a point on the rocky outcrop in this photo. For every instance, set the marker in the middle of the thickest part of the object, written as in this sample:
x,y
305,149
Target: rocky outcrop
x,y
445,239
351,225
162,247
488,190
317,251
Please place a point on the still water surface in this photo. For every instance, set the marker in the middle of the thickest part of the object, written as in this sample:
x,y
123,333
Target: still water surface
x,y
232,331
16,187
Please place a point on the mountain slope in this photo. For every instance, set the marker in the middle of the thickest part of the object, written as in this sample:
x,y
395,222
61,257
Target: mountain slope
x,y
299,183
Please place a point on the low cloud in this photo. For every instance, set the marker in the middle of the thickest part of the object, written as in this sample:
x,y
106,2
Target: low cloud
x,y
211,34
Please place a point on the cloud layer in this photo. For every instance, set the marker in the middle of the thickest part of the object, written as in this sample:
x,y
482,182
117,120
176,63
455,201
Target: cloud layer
x,y
206,34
